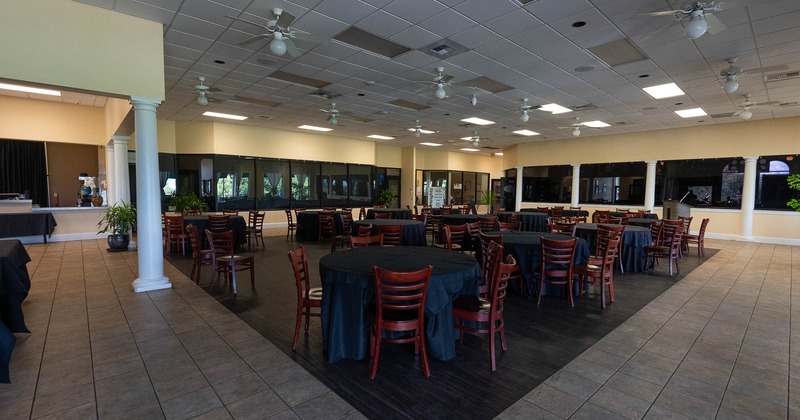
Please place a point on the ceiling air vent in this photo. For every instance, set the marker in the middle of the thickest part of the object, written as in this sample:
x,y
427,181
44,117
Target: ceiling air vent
x,y
487,84
777,77
584,107
375,44
443,49
324,94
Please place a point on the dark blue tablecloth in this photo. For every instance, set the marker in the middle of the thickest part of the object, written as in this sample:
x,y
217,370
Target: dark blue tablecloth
x,y
27,224
634,240
413,230
529,221
642,221
308,224
14,286
348,296
565,212
236,224
526,247
460,219
404,214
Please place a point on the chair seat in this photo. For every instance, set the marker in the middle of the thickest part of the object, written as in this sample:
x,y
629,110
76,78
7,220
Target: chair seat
x,y
235,258
691,237
657,248
471,304
454,247
315,293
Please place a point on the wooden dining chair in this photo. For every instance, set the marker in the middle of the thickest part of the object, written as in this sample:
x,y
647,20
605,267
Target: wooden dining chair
x,y
392,235
485,240
697,238
668,245
453,237
488,223
200,256
325,226
615,232
363,230
255,228
218,223
494,254
484,315
365,241
556,269
399,309
176,234
563,227
342,240
291,225
309,300
473,237
225,262
232,212
601,274
557,211
601,216
434,227
508,226
382,215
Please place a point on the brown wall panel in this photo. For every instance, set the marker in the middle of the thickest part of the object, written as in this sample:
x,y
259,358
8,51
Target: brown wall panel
x,y
65,162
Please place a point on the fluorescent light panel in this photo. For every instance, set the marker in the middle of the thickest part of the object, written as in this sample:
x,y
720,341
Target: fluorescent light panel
x,y
469,149
497,154
595,124
29,89
664,91
226,116
430,144
477,121
554,108
314,128
689,113
380,137
526,133
422,130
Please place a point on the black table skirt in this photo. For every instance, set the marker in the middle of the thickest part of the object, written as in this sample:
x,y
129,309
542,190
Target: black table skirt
x,y
348,296
404,214
526,247
565,212
14,286
460,219
413,231
308,224
642,221
529,221
27,224
236,223
634,240
652,216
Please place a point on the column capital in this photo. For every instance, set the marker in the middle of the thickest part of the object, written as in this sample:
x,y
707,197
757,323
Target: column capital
x,y
120,139
575,165
143,103
651,162
110,146
750,158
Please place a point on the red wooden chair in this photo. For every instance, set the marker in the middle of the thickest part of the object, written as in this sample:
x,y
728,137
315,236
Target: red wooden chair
x,y
557,257
601,274
364,241
224,260
697,238
307,298
200,256
392,235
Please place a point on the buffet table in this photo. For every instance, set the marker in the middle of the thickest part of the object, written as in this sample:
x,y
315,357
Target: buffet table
x,y
27,224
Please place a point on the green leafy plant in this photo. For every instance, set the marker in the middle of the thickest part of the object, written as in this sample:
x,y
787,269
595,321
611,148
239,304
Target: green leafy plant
x,y
794,183
184,202
487,199
386,197
119,219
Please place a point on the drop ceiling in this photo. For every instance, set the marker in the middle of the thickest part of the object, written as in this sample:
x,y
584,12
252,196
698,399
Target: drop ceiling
x,y
538,50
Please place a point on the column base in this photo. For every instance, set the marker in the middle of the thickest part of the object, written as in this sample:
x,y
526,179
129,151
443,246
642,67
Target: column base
x,y
132,245
146,285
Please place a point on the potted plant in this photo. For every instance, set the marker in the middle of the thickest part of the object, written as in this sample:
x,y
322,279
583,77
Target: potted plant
x,y
487,199
386,197
188,201
120,221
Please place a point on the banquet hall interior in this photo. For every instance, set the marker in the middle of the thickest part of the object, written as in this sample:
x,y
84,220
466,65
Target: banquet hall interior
x,y
508,104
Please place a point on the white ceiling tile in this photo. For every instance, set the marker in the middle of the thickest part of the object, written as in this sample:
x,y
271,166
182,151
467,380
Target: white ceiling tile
x,y
475,37
145,11
196,26
415,37
447,23
513,23
383,24
348,11
552,10
414,11
487,10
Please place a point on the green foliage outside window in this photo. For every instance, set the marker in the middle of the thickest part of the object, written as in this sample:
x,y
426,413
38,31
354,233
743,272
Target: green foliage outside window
x,y
794,183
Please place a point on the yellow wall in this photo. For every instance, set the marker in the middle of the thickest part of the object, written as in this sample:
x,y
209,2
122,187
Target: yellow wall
x,y
25,119
116,111
387,156
107,52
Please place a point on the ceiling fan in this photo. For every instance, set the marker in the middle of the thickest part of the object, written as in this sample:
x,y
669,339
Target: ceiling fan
x,y
745,111
697,16
281,32
442,83
524,108
576,127
203,91
417,128
475,139
333,114
732,73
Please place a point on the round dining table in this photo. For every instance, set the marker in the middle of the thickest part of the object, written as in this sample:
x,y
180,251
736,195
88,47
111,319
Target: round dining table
x,y
394,213
460,219
526,247
348,296
634,241
308,224
529,221
413,231
236,224
642,221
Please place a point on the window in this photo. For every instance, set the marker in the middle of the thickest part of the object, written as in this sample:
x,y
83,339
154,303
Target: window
x,y
234,189
701,182
550,184
334,183
612,183
360,185
450,187
772,192
305,184
272,184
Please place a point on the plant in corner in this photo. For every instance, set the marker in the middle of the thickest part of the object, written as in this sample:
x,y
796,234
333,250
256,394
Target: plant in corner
x,y
187,201
794,183
487,199
386,197
120,221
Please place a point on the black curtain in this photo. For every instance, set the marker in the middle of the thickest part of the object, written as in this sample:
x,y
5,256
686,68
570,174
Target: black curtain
x,y
23,168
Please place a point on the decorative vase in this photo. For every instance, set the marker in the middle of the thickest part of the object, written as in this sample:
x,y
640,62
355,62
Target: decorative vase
x,y
117,243
97,200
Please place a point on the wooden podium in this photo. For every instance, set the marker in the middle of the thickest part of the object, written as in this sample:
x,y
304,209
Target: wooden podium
x,y
674,209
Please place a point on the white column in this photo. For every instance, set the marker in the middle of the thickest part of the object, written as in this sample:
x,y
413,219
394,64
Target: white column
x,y
111,191
518,193
748,196
148,200
650,185
121,182
576,184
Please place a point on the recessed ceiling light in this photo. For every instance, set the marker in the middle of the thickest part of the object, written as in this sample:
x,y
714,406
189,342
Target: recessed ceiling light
x,y
526,133
477,121
690,113
430,144
578,24
314,128
422,130
584,69
595,124
219,61
226,116
644,75
469,149
29,89
554,108
380,137
667,90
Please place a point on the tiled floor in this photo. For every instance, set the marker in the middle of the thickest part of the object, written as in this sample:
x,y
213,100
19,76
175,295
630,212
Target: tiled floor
x,y
99,350
722,343
717,344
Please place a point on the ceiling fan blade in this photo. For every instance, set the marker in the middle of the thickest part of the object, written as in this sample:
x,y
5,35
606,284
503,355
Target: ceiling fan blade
x,y
214,89
291,48
446,78
659,30
247,21
715,25
770,103
663,13
253,39
285,20
767,69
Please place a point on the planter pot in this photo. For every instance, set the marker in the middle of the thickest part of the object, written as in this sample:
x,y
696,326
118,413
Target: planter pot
x,y
117,243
